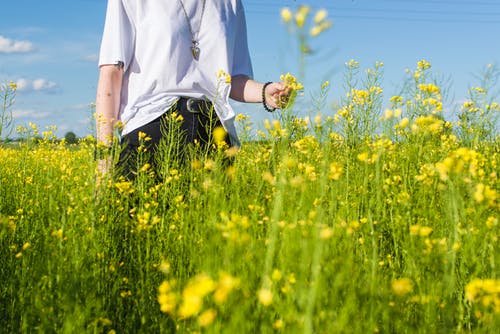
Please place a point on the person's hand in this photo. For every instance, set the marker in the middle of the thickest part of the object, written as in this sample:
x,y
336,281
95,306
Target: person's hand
x,y
103,171
277,94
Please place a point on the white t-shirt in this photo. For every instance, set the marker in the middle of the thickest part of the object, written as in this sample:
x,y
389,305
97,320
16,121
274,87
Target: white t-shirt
x,y
153,40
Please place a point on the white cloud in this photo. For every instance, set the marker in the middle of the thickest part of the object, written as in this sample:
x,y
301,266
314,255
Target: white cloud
x,y
30,114
93,58
43,84
8,45
23,85
37,85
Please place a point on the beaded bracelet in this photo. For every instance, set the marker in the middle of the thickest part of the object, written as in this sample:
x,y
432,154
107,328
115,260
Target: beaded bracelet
x,y
264,98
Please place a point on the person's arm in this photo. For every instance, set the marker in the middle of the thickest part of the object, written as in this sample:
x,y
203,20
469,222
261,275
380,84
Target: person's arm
x,y
108,101
244,89
107,108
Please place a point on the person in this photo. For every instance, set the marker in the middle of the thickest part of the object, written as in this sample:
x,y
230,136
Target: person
x,y
187,57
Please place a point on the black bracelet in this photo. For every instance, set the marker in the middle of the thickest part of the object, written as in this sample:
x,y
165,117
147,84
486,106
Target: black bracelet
x,y
264,97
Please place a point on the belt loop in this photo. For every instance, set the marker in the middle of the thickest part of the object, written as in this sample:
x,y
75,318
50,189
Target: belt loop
x,y
192,105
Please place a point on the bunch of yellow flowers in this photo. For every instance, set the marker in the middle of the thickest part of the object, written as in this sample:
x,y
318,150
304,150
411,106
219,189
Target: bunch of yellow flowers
x,y
320,20
484,292
291,82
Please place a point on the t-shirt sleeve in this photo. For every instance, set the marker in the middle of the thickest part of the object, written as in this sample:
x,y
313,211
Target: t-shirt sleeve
x,y
242,63
118,37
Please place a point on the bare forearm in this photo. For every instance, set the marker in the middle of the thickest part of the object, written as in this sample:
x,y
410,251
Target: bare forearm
x,y
244,89
108,102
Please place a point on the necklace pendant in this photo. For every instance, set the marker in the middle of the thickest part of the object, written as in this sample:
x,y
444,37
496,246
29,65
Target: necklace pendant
x,y
195,50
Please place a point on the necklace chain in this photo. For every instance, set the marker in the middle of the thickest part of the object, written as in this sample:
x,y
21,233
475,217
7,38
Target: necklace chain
x,y
195,50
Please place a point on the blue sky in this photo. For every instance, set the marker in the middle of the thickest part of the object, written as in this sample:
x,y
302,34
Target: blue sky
x,y
50,49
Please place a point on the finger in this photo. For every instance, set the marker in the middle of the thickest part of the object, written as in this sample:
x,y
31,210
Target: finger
x,y
277,87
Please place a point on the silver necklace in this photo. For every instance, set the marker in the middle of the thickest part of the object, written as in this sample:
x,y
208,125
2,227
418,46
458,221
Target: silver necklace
x,y
195,50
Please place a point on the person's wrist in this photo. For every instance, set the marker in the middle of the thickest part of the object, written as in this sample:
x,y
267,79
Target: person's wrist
x,y
264,102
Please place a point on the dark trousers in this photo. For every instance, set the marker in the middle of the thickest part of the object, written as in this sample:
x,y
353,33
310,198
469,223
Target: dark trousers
x,y
168,139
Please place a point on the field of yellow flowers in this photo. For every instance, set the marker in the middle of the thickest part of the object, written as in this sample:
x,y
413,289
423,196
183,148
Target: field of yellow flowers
x,y
358,219
361,221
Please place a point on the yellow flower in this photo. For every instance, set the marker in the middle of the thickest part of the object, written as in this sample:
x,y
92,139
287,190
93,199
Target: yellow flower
x,y
444,168
299,20
176,117
491,221
363,157
201,285
165,267
125,293
485,192
468,105
352,64
291,81
428,125
143,136
479,90
315,31
479,193
402,286
145,168
231,152
319,28
219,135
429,88
57,233
326,233
191,305
12,85
335,171
241,117
286,14
269,177
422,231
207,318
209,165
278,324
276,275
359,96
423,65
221,74
168,302
494,106
396,100
225,285
193,294
485,293
388,114
376,89
320,16
265,297
301,15
309,171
